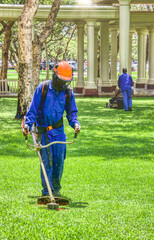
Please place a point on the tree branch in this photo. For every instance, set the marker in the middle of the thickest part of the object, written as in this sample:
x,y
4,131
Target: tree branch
x,y
48,28
69,42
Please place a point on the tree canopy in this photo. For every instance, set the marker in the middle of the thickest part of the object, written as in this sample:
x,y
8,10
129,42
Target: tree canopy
x,y
41,2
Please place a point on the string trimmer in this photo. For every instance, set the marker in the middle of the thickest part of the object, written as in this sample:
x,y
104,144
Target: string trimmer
x,y
50,201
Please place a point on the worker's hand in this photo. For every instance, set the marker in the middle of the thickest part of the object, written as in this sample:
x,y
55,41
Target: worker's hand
x,y
77,128
25,130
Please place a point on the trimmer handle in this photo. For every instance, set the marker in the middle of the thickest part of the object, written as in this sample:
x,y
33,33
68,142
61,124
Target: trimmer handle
x,y
26,132
75,135
24,128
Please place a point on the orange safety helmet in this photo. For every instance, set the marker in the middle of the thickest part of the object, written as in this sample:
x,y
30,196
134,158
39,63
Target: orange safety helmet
x,y
64,71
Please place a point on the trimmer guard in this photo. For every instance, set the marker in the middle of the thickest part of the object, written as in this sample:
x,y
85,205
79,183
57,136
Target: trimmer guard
x,y
46,199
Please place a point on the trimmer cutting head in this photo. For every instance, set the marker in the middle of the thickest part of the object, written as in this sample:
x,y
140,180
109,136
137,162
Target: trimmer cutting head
x,y
45,200
52,205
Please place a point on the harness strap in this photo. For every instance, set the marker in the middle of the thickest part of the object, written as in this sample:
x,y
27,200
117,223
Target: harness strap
x,y
45,130
48,148
68,101
44,94
42,130
56,125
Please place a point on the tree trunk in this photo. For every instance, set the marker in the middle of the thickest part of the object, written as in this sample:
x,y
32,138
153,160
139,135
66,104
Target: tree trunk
x,y
37,53
5,49
47,62
25,77
40,40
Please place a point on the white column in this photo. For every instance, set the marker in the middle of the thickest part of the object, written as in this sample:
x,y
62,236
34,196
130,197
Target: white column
x,y
90,87
130,52
104,83
114,57
141,78
150,83
124,26
80,83
96,59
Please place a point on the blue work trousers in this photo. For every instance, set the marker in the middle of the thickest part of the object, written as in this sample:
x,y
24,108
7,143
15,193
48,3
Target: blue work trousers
x,y
127,98
54,170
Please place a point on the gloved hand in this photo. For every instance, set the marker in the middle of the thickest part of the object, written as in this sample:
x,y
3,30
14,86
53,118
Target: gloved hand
x,y
77,128
25,130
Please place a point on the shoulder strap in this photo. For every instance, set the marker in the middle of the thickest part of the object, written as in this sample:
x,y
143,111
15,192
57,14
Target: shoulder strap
x,y
68,101
44,94
45,90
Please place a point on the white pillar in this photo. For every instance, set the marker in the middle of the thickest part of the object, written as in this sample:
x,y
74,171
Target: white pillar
x,y
124,26
96,59
104,83
114,57
90,88
80,83
150,83
130,52
141,78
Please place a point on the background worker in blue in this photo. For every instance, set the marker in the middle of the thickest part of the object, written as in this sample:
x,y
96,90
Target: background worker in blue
x,y
49,120
125,83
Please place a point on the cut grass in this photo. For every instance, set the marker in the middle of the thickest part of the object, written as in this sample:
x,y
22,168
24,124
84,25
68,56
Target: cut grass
x,y
108,176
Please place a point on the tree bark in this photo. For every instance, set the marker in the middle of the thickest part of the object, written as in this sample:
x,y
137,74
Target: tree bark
x,y
5,49
37,53
47,62
39,40
25,76
13,50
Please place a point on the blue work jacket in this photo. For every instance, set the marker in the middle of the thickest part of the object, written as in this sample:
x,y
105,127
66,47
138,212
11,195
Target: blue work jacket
x,y
53,109
125,81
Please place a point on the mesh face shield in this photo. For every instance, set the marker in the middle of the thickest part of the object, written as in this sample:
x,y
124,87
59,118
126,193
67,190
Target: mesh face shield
x,y
58,84
62,76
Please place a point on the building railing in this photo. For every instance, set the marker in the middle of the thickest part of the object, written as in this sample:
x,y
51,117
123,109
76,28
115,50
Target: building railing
x,y
9,87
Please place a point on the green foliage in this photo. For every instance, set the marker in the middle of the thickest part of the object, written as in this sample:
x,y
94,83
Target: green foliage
x,y
108,176
12,1
41,2
68,2
64,2
61,34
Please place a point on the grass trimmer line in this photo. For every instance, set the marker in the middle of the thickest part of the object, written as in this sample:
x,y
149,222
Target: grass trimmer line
x,y
50,201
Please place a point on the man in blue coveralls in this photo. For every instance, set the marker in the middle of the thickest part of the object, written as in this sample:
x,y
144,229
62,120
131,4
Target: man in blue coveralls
x,y
125,83
49,120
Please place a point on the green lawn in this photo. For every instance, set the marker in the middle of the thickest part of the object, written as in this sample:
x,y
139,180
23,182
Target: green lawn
x,y
108,177
12,74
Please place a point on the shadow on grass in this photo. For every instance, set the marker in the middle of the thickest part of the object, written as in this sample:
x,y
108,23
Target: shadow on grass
x,y
78,204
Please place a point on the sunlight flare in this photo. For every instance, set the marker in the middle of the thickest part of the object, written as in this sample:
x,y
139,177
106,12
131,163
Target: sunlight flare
x,y
84,2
